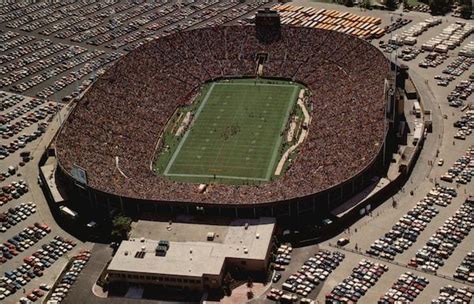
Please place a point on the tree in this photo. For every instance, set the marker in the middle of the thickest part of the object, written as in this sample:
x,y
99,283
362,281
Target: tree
x,y
466,8
227,281
438,7
391,4
249,282
366,4
250,294
120,227
349,3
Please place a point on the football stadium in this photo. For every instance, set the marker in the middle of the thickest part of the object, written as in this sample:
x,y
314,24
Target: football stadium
x,y
236,134
243,121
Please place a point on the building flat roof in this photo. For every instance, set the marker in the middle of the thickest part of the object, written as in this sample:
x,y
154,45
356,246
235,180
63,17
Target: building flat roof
x,y
196,258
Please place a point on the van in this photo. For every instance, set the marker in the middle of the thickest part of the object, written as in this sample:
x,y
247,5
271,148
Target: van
x,y
463,269
288,287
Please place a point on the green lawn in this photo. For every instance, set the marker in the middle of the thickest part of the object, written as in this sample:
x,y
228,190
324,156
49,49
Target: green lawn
x,y
236,133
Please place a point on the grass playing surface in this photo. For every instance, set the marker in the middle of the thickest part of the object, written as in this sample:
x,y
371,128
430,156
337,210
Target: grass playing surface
x,y
236,133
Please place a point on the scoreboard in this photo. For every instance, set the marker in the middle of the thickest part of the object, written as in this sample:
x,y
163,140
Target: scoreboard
x,y
267,25
267,18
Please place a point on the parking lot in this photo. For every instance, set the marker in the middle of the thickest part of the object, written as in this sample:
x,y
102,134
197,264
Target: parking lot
x,y
52,51
416,218
33,248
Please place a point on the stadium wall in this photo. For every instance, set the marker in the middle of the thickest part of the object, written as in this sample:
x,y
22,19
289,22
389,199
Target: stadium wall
x,y
316,205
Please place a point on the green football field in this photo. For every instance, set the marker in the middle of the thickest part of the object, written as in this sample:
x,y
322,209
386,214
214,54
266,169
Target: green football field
x,y
236,133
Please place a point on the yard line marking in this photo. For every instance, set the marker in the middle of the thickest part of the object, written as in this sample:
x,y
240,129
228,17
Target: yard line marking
x,y
218,176
181,143
197,158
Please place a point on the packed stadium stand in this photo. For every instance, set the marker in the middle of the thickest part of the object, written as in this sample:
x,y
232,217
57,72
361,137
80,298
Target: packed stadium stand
x,y
113,131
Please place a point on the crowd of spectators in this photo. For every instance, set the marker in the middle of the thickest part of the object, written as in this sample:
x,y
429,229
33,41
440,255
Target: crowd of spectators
x,y
119,120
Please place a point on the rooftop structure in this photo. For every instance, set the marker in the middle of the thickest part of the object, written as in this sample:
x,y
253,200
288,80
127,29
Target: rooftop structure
x,y
245,243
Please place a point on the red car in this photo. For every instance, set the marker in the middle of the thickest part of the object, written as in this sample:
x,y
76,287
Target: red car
x,y
32,297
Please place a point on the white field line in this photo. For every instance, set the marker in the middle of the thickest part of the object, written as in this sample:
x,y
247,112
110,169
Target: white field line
x,y
258,84
278,139
181,143
300,140
201,107
217,176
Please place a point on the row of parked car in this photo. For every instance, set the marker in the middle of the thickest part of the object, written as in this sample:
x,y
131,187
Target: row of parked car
x,y
432,60
22,241
24,139
444,81
451,294
405,289
424,8
405,232
7,35
103,34
68,63
34,265
41,48
60,291
13,43
76,17
93,65
462,171
460,93
15,215
315,270
465,124
9,100
409,53
351,289
24,108
102,14
19,9
459,66
68,9
11,191
26,17
444,241
179,19
17,53
396,24
9,130
33,295
42,65
283,256
465,271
